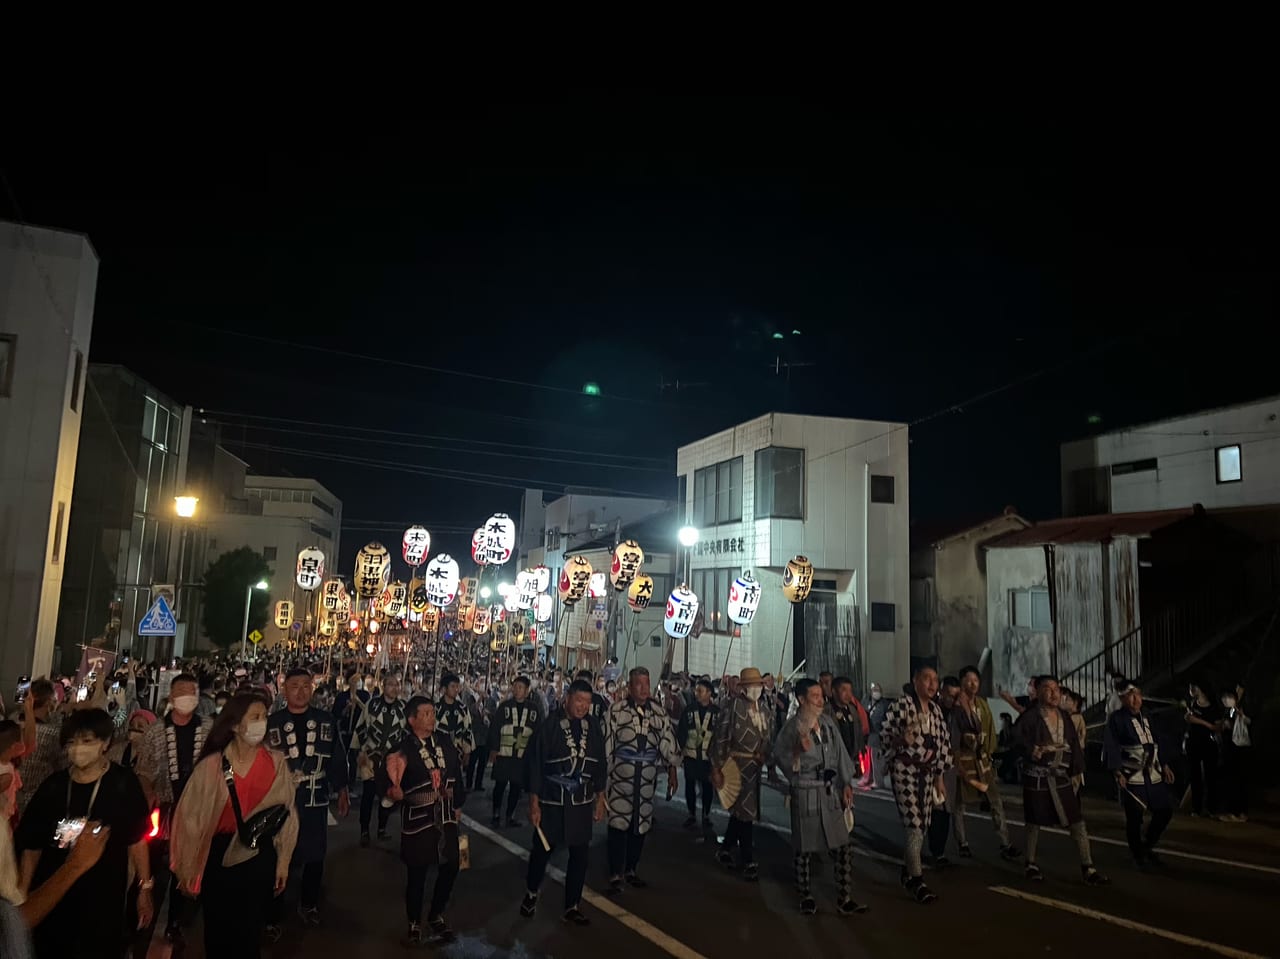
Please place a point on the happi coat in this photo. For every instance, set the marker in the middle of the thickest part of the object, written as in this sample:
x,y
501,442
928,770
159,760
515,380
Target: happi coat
x,y
744,732
1131,746
454,719
432,783
510,733
309,741
1049,797
639,739
917,745
817,777
567,771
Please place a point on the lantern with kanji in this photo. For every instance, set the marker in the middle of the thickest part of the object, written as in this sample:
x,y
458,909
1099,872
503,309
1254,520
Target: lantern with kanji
x,y
418,596
310,568
499,539
682,609
542,578
515,632
526,588
477,547
373,564
284,614
430,619
640,592
596,586
542,607
393,599
415,545
511,600
574,579
480,624
331,596
744,599
467,589
627,560
442,580
797,579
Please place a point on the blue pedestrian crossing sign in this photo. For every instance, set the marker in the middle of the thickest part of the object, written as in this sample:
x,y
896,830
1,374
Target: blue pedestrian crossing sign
x,y
159,620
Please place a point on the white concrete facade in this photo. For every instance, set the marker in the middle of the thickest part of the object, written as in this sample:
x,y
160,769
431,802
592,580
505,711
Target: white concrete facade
x,y
48,282
860,549
1174,463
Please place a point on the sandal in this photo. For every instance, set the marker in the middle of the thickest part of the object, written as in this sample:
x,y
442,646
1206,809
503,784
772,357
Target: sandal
x,y
1033,873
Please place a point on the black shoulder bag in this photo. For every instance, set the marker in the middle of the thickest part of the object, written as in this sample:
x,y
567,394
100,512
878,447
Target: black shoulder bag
x,y
264,825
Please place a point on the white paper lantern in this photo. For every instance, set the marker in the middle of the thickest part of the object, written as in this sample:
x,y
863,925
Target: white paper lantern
x,y
477,547
442,580
393,599
597,585
284,614
744,599
574,579
526,588
542,607
499,539
415,546
373,564
310,568
480,624
628,557
682,609
331,597
542,577
511,601
417,596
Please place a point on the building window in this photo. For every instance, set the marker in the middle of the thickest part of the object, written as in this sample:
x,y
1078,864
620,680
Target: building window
x,y
321,531
717,493
884,617
882,489
682,496
77,375
57,532
269,553
1029,609
1133,466
711,586
8,348
321,505
1228,458
656,641
779,483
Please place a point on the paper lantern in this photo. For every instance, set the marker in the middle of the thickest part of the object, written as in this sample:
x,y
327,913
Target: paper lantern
x,y
477,547
511,600
430,619
497,645
542,578
467,592
542,607
627,560
797,579
499,539
418,596
373,564
744,599
640,592
416,544
393,599
480,624
515,632
682,609
326,627
526,588
331,596
442,580
310,568
284,614
574,579
596,585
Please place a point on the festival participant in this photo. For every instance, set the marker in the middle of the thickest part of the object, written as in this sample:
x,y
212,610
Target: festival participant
x,y
453,718
1138,757
425,773
1052,755
481,710
744,734
638,738
850,718
566,795
380,728
41,728
307,737
874,774
918,750
599,705
512,728
812,755
973,739
695,733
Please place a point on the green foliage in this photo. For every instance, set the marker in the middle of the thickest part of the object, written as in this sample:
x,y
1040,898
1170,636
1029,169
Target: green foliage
x,y
225,583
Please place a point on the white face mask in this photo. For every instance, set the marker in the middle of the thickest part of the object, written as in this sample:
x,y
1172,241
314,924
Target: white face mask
x,y
753,693
185,704
255,731
83,755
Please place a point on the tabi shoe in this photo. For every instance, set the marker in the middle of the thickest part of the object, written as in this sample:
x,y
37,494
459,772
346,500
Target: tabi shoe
x,y
808,906
364,840
725,858
415,936
575,916
530,905
691,823
919,891
751,872
615,886
1092,877
848,907
1033,872
387,803
635,881
440,931
309,915
965,851
513,822
1010,853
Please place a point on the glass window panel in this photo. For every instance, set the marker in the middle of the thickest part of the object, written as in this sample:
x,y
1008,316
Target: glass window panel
x,y
722,624
764,482
1040,618
788,483
1229,464
148,418
1021,608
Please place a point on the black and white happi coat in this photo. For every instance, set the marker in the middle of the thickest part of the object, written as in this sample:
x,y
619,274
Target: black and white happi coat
x,y
159,761
454,718
433,792
639,739
308,741
510,733
567,772
917,743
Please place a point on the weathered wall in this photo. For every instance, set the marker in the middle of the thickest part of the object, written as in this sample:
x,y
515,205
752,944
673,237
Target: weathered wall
x,y
1016,654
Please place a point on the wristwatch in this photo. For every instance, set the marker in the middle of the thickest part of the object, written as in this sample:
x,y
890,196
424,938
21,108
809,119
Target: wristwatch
x,y
146,885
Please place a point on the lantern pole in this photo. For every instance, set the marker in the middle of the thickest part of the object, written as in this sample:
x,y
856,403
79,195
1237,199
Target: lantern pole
x,y
785,633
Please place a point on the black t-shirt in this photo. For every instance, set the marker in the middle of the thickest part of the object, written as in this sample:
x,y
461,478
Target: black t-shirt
x,y
185,740
1198,736
89,921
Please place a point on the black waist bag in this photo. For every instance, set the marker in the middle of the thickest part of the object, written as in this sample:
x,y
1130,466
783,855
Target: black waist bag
x,y
262,826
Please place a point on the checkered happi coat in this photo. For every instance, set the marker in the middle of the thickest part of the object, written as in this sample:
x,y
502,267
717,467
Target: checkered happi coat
x,y
918,747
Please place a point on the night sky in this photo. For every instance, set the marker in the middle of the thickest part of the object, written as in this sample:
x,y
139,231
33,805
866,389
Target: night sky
x,y
443,282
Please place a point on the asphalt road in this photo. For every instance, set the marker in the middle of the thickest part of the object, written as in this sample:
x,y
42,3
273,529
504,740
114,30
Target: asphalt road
x,y
1214,896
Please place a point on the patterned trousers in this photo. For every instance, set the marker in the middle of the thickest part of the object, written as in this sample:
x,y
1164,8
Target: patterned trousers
x,y
843,858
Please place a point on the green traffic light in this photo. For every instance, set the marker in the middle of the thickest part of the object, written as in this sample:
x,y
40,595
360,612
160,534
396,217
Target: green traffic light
x,y
591,389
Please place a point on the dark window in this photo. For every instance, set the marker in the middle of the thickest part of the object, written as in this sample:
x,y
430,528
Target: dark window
x,y
717,493
656,640
884,617
1230,467
704,497
269,553
320,504
780,483
321,531
76,376
825,584
8,348
1133,466
882,489
57,532
682,496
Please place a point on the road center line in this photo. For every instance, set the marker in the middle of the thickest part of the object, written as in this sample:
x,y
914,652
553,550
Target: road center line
x,y
1178,937
669,945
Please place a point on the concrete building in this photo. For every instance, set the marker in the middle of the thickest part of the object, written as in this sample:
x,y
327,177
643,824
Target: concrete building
x,y
834,490
1219,458
48,281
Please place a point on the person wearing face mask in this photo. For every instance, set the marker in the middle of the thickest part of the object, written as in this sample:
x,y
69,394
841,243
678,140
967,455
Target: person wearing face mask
x,y
744,736
89,921
209,858
128,751
167,756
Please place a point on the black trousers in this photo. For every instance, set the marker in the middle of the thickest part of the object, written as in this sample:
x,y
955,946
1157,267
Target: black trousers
x,y
625,847
475,768
740,833
371,792
1203,763
499,786
235,901
1139,844
575,874
1235,779
415,890
939,830
691,784
311,880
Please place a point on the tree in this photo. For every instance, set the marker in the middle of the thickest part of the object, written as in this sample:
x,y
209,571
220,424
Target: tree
x,y
225,584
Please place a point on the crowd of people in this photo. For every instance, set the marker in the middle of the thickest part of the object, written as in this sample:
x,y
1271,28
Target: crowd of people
x,y
219,780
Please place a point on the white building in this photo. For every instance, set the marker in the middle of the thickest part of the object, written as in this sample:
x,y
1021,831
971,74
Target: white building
x,y
48,280
1218,458
834,490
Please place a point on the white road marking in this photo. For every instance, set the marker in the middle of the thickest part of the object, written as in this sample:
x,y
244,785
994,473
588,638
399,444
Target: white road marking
x,y
669,945
1164,850
1178,937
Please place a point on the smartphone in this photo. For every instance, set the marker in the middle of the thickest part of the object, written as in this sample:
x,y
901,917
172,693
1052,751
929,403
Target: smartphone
x,y
24,687
82,694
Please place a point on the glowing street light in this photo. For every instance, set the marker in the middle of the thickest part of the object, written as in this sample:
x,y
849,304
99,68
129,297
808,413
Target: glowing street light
x,y
688,537
186,505
244,632
485,592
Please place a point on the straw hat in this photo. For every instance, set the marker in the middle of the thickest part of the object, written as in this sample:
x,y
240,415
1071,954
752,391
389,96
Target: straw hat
x,y
750,677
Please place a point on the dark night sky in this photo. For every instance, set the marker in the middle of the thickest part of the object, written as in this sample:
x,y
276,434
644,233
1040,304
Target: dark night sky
x,y
1121,262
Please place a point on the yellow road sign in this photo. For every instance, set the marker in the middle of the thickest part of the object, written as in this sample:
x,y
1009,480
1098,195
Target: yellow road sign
x,y
255,637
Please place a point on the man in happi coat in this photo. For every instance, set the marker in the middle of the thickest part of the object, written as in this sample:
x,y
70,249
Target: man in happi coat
x,y
425,773
918,750
599,705
454,718
812,755
567,775
1052,754
380,728
510,733
639,738
696,732
850,718
309,739
744,734
1138,756
973,739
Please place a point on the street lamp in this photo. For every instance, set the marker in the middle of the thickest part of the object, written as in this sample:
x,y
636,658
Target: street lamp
x,y
186,505
688,536
244,633
485,592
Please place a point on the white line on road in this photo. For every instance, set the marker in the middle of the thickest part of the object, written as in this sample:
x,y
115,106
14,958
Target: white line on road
x,y
673,947
1178,937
